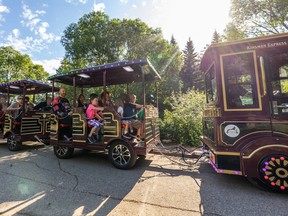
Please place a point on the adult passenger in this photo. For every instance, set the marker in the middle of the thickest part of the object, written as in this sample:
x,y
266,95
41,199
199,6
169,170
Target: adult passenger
x,y
81,102
17,108
61,108
3,101
44,105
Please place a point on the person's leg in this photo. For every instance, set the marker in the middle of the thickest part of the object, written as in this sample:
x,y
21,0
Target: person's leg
x,y
131,128
92,131
68,130
96,134
139,132
126,134
126,127
90,136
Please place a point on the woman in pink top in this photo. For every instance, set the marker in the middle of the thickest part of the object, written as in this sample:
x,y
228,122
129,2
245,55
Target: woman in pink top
x,y
95,116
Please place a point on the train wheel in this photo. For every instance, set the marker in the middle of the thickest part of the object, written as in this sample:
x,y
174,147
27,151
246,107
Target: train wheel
x,y
273,171
122,155
13,145
63,152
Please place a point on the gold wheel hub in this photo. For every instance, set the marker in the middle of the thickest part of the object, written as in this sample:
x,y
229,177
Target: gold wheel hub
x,y
281,173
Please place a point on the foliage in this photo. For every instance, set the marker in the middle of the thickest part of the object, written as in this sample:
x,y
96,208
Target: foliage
x,y
15,66
184,123
258,18
97,39
233,32
190,73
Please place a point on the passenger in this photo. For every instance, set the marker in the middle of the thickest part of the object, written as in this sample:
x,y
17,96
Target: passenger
x,y
130,113
95,116
105,99
17,108
81,102
61,108
119,106
125,122
44,105
29,105
3,101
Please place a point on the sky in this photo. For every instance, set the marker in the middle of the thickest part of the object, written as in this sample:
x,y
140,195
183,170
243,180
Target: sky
x,y
35,27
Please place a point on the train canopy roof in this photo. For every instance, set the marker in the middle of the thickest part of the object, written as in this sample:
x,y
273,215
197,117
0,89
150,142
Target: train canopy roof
x,y
116,73
31,87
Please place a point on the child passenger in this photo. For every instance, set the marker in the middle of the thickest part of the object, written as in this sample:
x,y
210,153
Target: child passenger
x,y
126,122
130,113
95,116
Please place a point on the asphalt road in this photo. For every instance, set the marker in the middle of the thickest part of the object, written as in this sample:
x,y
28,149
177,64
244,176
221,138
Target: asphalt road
x,y
34,182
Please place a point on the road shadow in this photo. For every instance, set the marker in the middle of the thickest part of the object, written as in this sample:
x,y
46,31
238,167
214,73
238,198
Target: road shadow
x,y
36,181
223,194
26,146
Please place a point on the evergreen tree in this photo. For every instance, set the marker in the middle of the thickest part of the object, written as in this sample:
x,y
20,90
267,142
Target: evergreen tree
x,y
216,37
173,41
190,74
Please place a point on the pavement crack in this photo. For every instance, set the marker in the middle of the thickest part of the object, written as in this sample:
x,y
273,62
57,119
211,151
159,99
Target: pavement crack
x,y
75,176
158,205
37,165
138,202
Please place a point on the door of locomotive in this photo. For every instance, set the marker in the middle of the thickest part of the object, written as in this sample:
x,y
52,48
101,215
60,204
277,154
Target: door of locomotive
x,y
276,63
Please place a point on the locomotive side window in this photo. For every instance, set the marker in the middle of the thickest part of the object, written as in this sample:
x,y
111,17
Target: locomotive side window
x,y
210,81
240,86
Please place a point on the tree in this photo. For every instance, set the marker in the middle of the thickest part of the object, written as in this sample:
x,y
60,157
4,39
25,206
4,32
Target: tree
x,y
91,40
216,37
260,17
190,74
15,66
97,39
232,32
173,41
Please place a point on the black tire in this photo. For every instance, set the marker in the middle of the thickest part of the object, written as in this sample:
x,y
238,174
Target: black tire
x,y
63,152
273,172
13,145
122,155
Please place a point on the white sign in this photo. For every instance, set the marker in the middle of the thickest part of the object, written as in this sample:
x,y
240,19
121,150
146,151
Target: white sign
x,y
232,130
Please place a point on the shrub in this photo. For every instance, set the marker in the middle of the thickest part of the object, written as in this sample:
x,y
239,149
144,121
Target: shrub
x,y
183,123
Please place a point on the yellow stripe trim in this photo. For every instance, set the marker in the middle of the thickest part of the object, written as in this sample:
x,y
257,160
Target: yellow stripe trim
x,y
263,147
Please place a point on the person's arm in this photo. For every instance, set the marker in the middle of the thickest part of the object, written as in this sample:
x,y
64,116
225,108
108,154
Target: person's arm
x,y
98,108
13,106
55,104
98,117
58,107
139,106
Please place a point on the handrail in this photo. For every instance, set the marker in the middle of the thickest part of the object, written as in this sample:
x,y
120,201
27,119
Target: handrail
x,y
263,76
